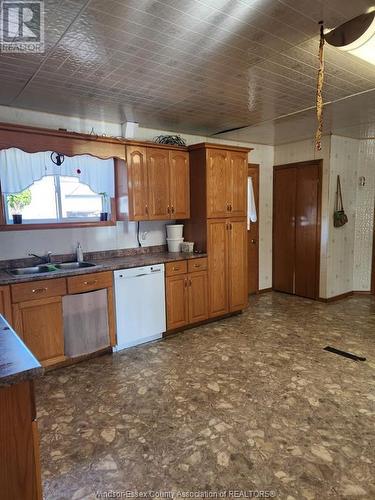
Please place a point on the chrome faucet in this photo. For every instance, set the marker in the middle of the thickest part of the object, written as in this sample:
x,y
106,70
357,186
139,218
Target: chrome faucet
x,y
46,259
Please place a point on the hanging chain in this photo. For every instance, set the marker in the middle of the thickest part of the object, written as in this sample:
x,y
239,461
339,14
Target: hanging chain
x,y
319,89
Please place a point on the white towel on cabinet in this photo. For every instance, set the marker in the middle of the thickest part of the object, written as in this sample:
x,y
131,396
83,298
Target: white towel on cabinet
x,y
251,207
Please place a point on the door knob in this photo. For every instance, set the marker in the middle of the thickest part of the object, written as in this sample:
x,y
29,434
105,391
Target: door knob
x,y
253,241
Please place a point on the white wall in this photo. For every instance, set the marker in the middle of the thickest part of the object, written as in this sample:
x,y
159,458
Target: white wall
x,y
123,235
364,223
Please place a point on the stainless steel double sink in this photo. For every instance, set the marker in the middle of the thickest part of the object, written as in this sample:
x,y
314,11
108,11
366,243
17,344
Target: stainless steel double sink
x,y
50,268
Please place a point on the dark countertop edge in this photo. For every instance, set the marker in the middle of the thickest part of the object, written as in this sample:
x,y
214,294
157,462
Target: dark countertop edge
x,y
105,264
22,364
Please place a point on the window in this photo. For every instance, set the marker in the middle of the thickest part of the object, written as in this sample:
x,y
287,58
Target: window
x,y
55,199
36,190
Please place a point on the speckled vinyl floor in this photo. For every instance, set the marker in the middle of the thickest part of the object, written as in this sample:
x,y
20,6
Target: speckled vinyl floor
x,y
250,403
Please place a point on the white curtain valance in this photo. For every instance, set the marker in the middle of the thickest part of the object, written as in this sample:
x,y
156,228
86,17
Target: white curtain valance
x,y
19,170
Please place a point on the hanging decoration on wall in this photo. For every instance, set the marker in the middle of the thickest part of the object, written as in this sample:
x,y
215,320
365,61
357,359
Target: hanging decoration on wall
x,y
319,91
57,158
339,217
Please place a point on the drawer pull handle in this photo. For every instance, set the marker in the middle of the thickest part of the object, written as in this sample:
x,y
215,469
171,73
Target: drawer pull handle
x,y
176,269
39,290
92,282
197,265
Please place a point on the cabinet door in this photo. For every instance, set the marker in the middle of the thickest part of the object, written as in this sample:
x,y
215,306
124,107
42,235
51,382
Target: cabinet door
x,y
237,264
179,184
217,249
41,326
137,183
158,183
198,296
5,304
217,177
177,301
237,184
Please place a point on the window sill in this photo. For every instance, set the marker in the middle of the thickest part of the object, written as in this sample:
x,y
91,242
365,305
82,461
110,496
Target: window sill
x,y
55,225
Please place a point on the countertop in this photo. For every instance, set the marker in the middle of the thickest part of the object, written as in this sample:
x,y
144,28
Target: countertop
x,y
17,363
103,264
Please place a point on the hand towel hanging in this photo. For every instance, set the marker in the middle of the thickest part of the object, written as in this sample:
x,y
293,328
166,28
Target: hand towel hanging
x,y
251,207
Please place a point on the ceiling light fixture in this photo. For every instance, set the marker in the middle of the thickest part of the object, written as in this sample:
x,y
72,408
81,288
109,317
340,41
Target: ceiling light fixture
x,y
356,36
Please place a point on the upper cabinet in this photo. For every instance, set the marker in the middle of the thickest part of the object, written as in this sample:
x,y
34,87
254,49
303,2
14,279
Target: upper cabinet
x,y
137,183
158,183
226,183
179,184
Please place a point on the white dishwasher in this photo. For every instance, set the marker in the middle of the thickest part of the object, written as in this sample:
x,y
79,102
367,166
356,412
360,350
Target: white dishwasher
x,y
140,305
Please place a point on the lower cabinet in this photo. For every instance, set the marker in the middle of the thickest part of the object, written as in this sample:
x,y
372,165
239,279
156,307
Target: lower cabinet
x,y
227,264
186,293
40,324
5,303
20,474
37,309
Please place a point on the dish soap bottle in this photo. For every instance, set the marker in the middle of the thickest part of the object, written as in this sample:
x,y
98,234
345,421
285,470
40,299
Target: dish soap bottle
x,y
79,252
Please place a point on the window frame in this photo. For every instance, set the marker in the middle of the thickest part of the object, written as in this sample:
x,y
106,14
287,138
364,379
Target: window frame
x,y
58,200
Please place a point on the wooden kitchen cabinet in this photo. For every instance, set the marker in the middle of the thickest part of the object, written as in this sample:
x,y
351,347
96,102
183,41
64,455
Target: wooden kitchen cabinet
x,y
40,324
237,183
137,183
227,250
5,303
226,183
179,184
237,264
158,183
186,293
198,296
217,248
20,473
218,180
177,301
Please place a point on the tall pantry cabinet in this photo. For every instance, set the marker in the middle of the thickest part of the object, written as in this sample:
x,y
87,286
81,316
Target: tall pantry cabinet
x,y
217,225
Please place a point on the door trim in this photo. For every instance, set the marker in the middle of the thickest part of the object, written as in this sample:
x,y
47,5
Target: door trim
x,y
373,259
319,164
256,166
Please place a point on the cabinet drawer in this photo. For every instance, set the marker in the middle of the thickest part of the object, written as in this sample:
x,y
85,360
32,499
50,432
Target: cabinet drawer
x,y
174,268
87,282
38,290
197,264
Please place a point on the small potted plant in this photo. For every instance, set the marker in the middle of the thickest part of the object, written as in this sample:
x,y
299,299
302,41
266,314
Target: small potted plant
x,y
17,202
104,214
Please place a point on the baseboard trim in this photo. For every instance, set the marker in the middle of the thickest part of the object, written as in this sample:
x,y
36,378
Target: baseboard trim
x,y
362,292
265,290
336,297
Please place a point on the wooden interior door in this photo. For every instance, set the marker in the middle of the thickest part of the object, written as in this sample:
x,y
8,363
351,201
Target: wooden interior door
x,y
198,296
137,183
237,184
253,235
158,183
284,209
179,184
307,230
237,264
40,323
217,162
177,301
217,248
